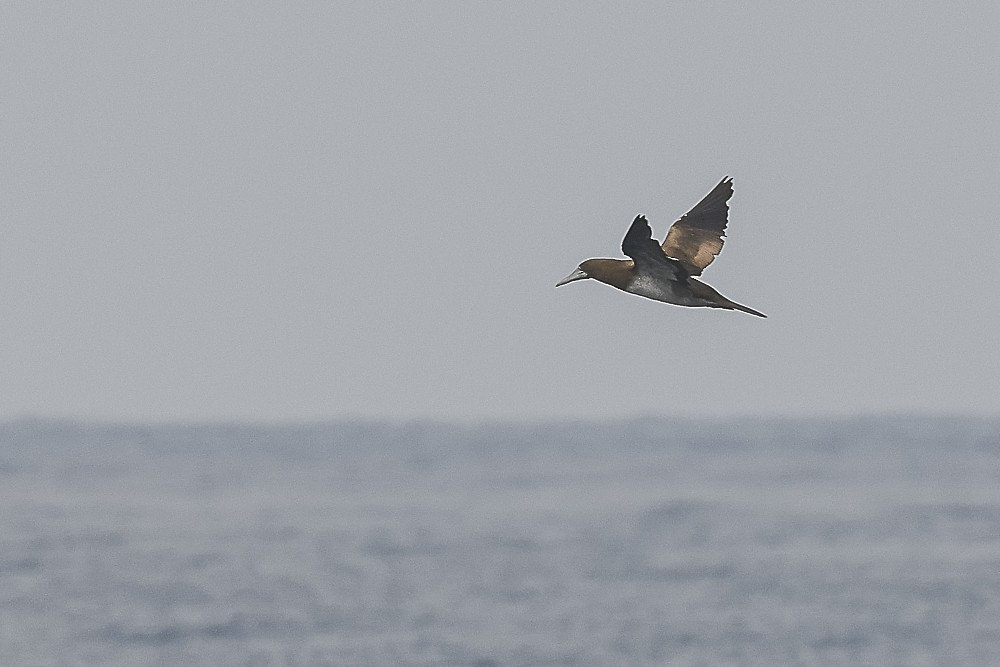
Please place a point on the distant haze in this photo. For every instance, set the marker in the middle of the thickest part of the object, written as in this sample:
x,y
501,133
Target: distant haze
x,y
275,211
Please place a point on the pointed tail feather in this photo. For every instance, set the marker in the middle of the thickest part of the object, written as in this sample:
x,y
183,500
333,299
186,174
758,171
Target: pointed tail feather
x,y
736,306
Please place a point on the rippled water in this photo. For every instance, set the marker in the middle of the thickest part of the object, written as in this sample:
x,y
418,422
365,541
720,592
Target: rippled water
x,y
864,542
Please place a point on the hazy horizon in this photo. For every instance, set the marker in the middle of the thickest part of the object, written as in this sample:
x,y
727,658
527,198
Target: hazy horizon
x,y
516,423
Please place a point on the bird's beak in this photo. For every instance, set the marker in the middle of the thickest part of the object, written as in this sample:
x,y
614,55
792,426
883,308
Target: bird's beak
x,y
579,274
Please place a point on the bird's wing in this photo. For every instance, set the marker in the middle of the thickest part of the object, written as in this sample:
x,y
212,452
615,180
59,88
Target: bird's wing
x,y
644,251
697,237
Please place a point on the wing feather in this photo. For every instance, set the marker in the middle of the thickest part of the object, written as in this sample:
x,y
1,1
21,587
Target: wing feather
x,y
644,251
698,236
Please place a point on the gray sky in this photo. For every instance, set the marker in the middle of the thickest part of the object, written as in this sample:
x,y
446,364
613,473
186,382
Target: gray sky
x,y
285,211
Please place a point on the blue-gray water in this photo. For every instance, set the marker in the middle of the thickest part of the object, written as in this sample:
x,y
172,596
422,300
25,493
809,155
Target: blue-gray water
x,y
850,542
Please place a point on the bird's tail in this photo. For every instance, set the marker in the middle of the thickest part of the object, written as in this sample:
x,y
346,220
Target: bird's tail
x,y
708,293
732,305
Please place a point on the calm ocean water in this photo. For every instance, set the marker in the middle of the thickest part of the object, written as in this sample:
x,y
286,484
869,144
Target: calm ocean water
x,y
647,542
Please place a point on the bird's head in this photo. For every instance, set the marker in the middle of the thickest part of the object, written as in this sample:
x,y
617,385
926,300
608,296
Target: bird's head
x,y
611,271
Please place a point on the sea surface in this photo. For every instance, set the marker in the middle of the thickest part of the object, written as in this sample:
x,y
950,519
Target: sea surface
x,y
644,542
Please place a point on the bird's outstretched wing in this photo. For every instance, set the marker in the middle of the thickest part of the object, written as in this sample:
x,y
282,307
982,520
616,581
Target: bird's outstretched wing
x,y
644,251
697,237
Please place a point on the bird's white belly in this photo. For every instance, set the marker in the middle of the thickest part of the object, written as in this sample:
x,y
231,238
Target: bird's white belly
x,y
668,291
661,290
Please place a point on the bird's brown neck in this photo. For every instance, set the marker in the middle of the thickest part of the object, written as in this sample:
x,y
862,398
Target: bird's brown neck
x,y
614,272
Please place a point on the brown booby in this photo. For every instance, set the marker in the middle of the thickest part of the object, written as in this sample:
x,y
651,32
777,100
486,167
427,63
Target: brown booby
x,y
663,272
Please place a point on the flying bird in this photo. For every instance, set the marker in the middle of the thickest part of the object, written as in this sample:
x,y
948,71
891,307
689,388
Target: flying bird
x,y
665,272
